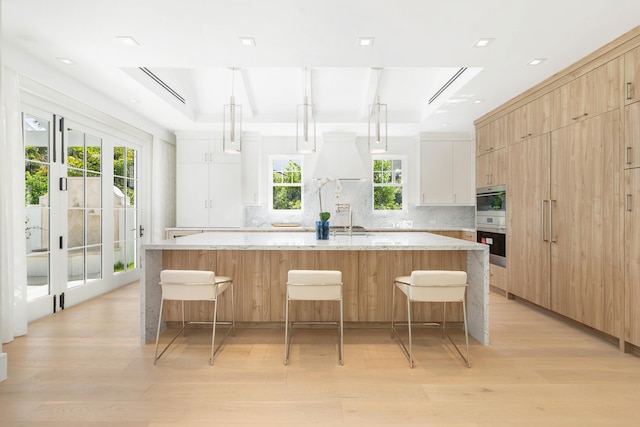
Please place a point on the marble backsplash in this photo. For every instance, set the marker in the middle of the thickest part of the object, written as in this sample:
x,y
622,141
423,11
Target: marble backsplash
x,y
359,196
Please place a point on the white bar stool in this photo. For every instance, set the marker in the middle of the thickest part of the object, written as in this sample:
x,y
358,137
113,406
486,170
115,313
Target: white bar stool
x,y
194,285
312,285
431,286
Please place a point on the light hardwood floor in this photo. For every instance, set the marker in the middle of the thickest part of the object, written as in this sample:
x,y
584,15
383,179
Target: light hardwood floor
x,y
85,367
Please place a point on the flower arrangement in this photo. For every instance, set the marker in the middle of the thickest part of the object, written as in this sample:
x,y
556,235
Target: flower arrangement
x,y
325,215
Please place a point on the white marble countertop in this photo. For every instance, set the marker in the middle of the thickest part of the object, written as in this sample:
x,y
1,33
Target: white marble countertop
x,y
254,240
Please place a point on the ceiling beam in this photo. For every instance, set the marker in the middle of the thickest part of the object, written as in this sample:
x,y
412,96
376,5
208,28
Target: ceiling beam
x,y
372,91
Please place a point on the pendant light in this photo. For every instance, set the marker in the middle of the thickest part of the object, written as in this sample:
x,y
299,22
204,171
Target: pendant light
x,y
232,122
377,133
305,137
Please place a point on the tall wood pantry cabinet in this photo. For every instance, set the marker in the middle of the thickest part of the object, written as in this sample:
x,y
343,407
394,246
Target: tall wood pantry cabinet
x,y
632,256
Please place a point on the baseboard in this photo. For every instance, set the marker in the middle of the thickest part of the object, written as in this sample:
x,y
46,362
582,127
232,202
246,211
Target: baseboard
x,y
3,366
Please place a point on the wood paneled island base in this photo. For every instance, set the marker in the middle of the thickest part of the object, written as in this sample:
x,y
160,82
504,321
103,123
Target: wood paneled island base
x,y
259,262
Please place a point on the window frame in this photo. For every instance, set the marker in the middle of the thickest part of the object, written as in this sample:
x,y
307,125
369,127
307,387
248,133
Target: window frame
x,y
405,181
299,159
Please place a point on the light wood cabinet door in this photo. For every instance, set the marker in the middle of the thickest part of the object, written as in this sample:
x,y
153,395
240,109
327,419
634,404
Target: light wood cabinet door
x,y
493,136
632,76
528,226
530,120
632,256
586,278
631,147
589,95
491,168
498,277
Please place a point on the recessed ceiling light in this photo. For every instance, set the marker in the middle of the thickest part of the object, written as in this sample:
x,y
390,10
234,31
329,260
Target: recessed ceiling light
x,y
65,61
441,111
133,101
445,124
478,101
365,41
536,61
128,40
247,41
483,42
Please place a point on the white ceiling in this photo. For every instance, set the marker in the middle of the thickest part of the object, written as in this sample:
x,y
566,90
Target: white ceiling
x,y
419,45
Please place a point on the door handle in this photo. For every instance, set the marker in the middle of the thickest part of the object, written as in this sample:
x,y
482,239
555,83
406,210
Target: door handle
x,y
141,231
628,90
551,202
544,239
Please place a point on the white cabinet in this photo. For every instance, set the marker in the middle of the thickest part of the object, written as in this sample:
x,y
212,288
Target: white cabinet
x,y
446,171
208,185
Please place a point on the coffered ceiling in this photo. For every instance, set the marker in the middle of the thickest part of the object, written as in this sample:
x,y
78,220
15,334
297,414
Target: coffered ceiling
x,y
422,63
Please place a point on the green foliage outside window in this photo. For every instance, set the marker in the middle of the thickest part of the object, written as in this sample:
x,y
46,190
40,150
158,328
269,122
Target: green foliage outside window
x,y
287,185
387,184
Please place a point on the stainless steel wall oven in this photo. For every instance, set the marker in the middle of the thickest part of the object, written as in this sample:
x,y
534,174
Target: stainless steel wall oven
x,y
491,222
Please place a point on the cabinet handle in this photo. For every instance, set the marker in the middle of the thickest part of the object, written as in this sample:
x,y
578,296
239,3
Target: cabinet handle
x,y
627,155
206,202
525,136
544,238
454,198
580,116
489,149
628,90
487,180
551,202
627,203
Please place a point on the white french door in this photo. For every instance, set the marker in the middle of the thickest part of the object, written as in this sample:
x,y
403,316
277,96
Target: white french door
x,y
82,213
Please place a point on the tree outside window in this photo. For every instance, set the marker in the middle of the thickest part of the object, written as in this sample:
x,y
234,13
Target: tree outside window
x,y
387,184
287,183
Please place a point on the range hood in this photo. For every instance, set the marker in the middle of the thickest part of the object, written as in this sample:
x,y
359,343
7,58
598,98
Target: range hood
x,y
340,158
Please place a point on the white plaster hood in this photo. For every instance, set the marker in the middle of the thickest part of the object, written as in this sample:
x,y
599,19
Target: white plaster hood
x,y
339,157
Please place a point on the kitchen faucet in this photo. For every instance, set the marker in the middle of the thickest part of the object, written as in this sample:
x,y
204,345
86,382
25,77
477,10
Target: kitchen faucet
x,y
341,207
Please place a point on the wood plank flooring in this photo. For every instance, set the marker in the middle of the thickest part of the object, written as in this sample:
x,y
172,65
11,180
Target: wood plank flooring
x,y
85,367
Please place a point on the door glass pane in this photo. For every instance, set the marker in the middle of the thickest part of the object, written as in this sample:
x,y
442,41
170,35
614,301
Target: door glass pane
x,y
75,188
131,224
131,193
75,228
131,163
37,275
94,262
75,149
94,190
75,267
118,257
131,254
93,153
94,227
118,225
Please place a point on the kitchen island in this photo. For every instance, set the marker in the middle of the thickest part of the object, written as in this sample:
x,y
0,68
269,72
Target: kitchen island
x,y
259,262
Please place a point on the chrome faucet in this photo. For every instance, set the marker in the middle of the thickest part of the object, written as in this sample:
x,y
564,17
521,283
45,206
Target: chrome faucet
x,y
341,207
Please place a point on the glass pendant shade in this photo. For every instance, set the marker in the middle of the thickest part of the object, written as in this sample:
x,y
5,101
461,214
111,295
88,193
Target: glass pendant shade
x,y
377,134
232,123
305,128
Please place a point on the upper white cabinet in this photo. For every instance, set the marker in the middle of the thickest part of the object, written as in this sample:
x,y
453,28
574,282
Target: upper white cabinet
x,y
446,173
208,185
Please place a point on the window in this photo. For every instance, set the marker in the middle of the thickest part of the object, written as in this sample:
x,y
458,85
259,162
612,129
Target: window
x,y
286,183
388,184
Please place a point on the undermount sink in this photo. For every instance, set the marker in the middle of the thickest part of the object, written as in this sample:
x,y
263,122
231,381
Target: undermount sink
x,y
357,230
